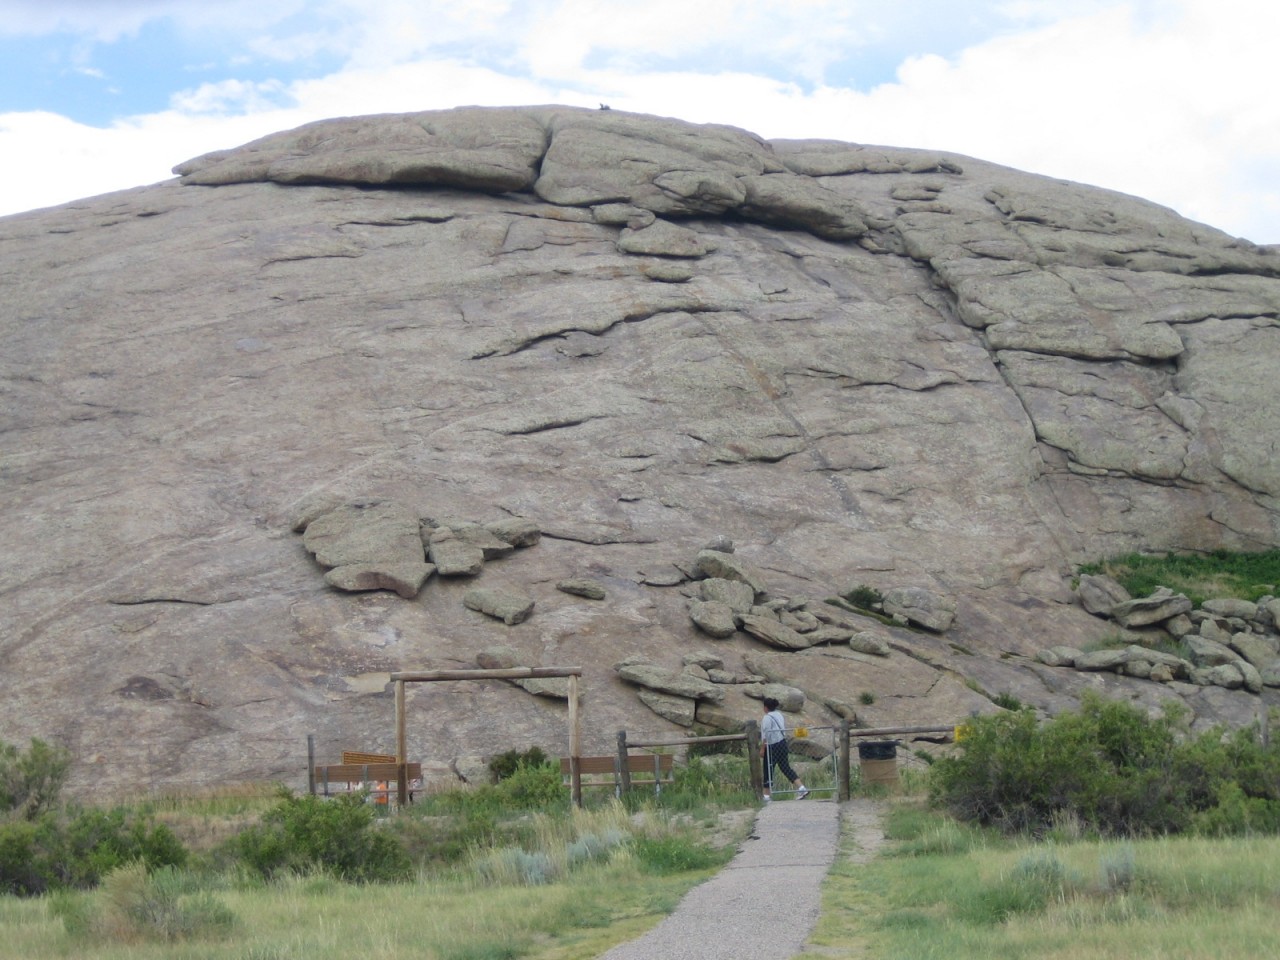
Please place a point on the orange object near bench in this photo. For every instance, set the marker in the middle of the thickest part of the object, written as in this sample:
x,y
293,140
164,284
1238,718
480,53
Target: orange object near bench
x,y
381,777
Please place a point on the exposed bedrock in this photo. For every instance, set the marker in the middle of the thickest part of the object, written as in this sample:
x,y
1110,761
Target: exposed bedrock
x,y
633,338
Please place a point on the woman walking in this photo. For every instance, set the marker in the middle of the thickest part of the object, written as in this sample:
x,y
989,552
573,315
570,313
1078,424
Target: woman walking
x,y
773,747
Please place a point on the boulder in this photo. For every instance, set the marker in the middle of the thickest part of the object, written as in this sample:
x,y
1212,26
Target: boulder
x,y
790,699
772,632
1258,650
517,531
717,717
1058,656
738,595
1099,593
1141,611
406,579
1231,607
579,587
497,658
679,710
921,607
1227,675
1208,653
453,556
800,621
1217,631
491,547
645,674
713,618
509,607
864,641
1250,676
665,239
553,688
726,566
704,659
362,533
1272,610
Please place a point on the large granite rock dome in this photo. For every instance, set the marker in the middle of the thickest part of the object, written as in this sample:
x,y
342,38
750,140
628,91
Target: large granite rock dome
x,y
267,429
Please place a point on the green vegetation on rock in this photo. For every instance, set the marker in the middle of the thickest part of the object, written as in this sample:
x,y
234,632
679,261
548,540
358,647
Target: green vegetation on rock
x,y
1201,576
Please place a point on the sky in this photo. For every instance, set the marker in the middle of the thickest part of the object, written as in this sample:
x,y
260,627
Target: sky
x,y
1171,100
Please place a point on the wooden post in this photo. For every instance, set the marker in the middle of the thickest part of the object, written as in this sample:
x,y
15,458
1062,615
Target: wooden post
x,y
575,743
842,774
754,761
624,769
311,764
402,749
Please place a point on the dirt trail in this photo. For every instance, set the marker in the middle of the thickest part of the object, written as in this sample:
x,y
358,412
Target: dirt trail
x,y
765,902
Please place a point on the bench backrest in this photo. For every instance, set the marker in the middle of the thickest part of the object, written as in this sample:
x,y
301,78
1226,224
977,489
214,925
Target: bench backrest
x,y
366,772
356,756
636,763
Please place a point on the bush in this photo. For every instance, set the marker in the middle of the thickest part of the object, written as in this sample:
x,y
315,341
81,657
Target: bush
x,y
31,781
1110,767
513,866
334,835
867,598
99,841
534,786
52,854
506,765
134,905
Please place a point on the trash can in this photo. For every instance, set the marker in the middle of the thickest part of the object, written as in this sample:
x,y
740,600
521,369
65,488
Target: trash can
x,y
878,761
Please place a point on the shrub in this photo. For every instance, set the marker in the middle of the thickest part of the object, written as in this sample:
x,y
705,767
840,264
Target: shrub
x,y
99,841
534,786
1037,880
1118,869
591,847
31,781
513,866
134,905
868,598
334,835
1007,701
52,854
1111,768
507,764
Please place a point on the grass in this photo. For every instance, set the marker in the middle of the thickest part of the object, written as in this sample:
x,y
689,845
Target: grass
x,y
1201,577
549,883
565,884
943,890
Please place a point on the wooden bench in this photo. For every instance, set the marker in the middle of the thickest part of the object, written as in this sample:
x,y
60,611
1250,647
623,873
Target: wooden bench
x,y
660,768
382,778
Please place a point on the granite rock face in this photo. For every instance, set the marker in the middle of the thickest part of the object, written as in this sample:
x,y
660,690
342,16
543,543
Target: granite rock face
x,y
619,337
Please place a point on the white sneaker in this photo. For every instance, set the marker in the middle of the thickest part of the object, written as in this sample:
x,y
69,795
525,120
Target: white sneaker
x,y
767,799
804,792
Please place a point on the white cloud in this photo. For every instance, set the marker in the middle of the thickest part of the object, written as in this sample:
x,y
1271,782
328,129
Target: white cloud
x,y
1170,101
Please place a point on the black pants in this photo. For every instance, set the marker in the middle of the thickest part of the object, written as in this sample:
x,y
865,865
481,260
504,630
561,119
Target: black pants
x,y
777,753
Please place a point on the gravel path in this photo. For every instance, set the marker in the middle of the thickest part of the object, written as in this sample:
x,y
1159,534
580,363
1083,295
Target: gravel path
x,y
764,904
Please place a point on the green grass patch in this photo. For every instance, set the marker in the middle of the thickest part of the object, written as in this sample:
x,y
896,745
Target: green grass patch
x,y
1188,897
1201,577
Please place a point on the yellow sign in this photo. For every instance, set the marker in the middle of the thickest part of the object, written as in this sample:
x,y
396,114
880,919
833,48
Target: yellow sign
x,y
802,732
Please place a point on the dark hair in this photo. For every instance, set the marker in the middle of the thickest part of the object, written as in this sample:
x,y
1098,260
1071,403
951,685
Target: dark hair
x,y
770,704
